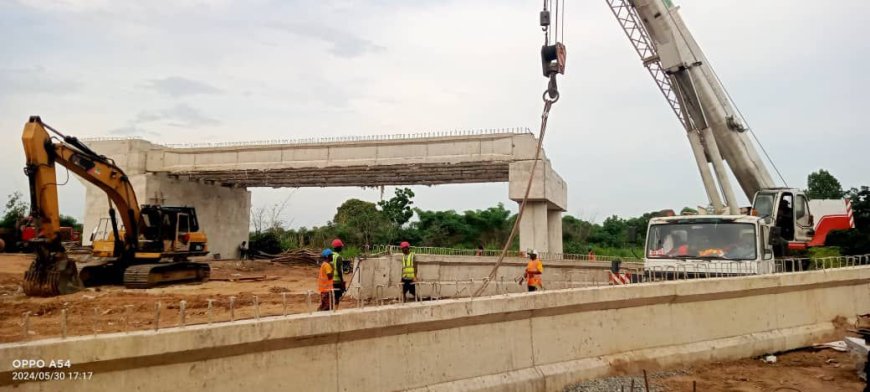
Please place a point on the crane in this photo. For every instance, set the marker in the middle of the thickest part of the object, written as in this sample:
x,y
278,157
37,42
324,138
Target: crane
x,y
782,218
150,233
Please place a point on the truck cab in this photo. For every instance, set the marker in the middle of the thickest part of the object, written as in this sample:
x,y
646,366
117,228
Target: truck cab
x,y
708,245
791,214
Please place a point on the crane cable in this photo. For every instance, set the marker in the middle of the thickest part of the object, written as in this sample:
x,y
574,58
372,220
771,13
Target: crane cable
x,y
548,103
550,96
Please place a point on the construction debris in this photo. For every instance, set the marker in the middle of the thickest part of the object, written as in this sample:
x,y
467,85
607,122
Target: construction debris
x,y
304,256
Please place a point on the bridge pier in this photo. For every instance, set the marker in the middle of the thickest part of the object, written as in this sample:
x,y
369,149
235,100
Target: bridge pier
x,y
223,212
541,226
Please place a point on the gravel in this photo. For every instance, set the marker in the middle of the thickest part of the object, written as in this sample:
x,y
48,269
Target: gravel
x,y
623,383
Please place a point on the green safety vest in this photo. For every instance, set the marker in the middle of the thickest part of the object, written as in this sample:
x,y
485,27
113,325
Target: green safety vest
x,y
337,274
408,266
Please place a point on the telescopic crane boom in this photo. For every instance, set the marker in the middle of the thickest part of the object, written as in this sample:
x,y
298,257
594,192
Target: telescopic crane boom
x,y
690,85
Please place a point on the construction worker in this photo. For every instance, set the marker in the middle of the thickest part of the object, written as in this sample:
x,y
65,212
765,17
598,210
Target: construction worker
x,y
590,255
534,270
324,280
243,250
338,274
409,270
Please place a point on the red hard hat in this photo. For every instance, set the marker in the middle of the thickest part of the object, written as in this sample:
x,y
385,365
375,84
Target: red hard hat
x,y
404,245
336,243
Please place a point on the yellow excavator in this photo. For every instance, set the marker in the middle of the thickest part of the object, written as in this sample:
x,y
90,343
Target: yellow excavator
x,y
152,248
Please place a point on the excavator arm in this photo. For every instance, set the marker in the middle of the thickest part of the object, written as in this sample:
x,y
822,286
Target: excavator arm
x,y
52,272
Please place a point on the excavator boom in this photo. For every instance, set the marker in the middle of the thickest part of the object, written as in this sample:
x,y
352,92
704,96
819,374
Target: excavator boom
x,y
150,233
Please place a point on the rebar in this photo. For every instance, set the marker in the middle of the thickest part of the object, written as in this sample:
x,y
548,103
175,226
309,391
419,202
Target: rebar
x,y
284,304
332,300
127,309
181,313
25,324
257,308
232,308
96,316
157,316
63,323
308,301
208,312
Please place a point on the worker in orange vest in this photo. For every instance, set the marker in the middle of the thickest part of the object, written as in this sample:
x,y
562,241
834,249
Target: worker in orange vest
x,y
534,270
324,280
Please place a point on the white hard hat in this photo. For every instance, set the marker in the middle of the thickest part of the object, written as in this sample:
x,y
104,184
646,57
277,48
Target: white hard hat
x,y
533,252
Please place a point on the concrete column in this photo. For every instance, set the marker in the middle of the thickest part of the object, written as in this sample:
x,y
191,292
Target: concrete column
x,y
223,213
554,231
534,227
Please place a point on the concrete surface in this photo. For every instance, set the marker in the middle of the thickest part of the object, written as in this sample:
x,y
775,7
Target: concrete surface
x,y
216,177
459,275
516,342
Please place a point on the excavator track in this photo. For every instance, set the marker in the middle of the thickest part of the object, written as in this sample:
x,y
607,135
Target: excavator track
x,y
143,276
47,279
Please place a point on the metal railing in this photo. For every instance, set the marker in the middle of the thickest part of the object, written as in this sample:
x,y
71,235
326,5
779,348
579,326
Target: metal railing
x,y
117,318
433,250
334,139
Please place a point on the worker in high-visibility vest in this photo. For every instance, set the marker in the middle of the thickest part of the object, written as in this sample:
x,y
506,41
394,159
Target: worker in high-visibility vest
x,y
534,270
338,283
324,280
409,270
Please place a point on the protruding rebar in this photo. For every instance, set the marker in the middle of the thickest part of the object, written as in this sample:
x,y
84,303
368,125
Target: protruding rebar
x,y
332,300
182,309
63,317
25,324
257,307
157,316
308,301
284,304
127,312
96,316
209,311
232,308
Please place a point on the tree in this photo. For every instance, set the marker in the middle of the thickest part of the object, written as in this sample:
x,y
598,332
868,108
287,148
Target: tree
x,y
68,221
16,210
823,185
398,208
360,222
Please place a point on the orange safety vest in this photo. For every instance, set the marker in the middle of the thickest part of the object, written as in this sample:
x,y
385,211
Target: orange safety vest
x,y
590,256
534,279
324,283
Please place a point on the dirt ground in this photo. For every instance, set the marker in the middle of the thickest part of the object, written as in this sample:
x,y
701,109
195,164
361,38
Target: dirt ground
x,y
119,309
803,371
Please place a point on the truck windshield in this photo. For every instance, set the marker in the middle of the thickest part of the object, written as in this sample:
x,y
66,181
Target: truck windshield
x,y
717,240
764,204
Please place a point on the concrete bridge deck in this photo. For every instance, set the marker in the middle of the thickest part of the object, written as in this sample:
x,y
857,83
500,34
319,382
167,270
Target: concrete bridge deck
x,y
214,178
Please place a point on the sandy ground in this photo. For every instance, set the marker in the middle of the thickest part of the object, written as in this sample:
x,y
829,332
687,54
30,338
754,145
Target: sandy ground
x,y
119,309
803,371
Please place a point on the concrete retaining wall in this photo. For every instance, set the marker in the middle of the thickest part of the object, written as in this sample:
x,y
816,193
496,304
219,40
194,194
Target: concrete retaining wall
x,y
517,342
387,271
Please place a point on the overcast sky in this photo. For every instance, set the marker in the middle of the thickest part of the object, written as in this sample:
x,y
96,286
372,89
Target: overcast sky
x,y
203,71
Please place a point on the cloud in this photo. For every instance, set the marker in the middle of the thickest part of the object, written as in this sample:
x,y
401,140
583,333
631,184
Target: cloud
x,y
176,86
35,80
181,115
342,43
133,130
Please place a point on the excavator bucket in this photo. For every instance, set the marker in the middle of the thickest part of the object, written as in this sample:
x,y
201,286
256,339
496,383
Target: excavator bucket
x,y
50,275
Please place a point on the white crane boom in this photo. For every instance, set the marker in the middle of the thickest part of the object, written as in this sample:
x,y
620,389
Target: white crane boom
x,y
693,91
